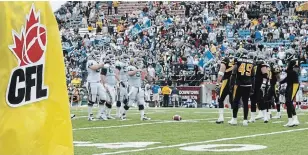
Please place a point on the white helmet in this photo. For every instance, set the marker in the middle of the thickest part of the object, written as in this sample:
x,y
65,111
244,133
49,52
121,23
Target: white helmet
x,y
139,63
125,59
95,55
111,58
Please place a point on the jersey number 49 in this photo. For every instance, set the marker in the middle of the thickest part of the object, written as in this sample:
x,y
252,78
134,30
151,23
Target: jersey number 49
x,y
245,69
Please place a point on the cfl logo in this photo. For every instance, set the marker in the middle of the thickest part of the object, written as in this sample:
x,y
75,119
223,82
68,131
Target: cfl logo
x,y
26,82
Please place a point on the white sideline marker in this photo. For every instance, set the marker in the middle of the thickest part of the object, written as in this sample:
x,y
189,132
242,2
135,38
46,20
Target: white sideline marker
x,y
202,142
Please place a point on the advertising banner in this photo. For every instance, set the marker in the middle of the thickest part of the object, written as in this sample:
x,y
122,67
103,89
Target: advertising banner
x,y
190,91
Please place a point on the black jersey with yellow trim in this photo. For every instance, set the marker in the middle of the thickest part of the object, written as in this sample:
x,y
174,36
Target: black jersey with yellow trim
x,y
258,72
229,63
244,72
293,71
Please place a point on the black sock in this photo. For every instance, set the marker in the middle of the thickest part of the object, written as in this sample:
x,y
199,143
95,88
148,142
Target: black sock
x,y
245,111
278,107
235,110
290,109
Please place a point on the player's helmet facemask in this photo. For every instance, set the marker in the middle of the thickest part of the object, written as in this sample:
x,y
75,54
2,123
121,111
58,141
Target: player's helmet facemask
x,y
95,55
112,59
139,63
125,59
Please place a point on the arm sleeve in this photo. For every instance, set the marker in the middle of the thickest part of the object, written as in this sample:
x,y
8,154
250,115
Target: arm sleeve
x,y
104,71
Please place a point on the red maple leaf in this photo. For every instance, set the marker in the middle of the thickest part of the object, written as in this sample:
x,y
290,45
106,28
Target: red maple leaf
x,y
19,46
32,19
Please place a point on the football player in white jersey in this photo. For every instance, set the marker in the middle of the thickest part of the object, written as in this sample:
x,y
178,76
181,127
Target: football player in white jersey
x,y
109,79
136,94
95,88
122,71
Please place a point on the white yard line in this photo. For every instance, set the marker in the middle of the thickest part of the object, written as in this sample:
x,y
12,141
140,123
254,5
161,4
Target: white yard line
x,y
278,122
202,142
141,124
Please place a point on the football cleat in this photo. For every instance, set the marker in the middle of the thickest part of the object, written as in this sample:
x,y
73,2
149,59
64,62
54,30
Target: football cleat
x,y
103,117
295,121
245,123
91,118
110,117
144,118
290,123
233,122
230,120
252,120
123,117
220,121
265,119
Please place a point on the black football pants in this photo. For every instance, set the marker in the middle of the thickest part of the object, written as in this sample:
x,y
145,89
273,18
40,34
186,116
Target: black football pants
x,y
257,99
290,95
241,92
272,94
224,91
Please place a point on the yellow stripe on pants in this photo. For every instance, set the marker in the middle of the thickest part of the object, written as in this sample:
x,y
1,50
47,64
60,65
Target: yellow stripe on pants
x,y
223,85
234,91
294,89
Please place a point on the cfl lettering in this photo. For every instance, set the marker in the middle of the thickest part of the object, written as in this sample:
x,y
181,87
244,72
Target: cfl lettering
x,y
26,86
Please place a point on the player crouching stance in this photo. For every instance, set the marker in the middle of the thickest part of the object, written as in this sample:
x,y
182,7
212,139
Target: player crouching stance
x,y
243,80
292,87
136,94
95,88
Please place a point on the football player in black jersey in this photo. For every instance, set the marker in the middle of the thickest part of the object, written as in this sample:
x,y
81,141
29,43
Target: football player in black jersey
x,y
273,93
242,82
292,81
223,83
261,75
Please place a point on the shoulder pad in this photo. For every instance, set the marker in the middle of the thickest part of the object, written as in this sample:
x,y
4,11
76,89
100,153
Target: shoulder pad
x,y
225,60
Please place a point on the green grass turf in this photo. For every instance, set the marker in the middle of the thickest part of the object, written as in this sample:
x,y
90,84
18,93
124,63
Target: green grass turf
x,y
196,126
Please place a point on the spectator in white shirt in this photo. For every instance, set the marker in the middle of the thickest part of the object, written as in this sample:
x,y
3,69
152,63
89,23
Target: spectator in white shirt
x,y
84,22
276,34
212,37
151,71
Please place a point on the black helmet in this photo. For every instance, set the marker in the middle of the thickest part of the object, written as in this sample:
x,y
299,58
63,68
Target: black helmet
x,y
251,55
243,53
290,54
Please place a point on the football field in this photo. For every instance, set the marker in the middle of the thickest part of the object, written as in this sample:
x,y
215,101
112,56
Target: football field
x,y
196,134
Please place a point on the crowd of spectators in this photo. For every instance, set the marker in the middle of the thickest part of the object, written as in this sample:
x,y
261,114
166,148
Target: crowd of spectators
x,y
181,49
